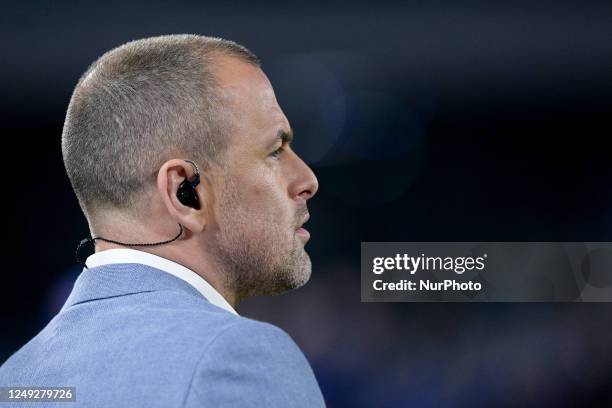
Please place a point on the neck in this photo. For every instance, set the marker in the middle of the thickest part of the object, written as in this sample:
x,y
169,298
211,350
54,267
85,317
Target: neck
x,y
181,253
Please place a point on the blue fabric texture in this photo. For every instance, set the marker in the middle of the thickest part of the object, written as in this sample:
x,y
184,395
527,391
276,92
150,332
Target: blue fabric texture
x,y
130,335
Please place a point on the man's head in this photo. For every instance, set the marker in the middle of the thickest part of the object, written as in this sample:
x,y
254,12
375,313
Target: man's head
x,y
141,109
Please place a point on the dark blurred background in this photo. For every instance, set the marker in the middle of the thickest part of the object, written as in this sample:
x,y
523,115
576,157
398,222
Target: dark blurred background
x,y
424,121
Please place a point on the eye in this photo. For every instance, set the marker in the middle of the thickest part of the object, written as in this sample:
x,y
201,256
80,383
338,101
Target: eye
x,y
277,152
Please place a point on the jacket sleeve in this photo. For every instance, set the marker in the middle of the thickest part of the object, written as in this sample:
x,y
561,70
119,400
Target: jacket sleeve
x,y
253,364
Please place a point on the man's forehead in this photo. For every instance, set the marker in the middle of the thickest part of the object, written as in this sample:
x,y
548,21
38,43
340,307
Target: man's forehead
x,y
250,93
241,79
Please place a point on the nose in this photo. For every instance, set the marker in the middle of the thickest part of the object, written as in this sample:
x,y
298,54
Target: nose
x,y
306,184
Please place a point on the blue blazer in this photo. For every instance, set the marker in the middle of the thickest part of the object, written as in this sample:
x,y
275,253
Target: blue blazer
x,y
131,335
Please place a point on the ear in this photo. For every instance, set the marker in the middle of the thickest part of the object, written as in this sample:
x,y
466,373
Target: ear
x,y
170,176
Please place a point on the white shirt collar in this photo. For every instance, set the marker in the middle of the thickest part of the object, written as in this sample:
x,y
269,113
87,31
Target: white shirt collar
x,y
126,255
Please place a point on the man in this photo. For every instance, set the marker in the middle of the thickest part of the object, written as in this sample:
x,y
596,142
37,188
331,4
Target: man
x,y
170,135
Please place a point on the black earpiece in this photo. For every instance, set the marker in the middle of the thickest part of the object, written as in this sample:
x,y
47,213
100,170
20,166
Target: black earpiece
x,y
186,192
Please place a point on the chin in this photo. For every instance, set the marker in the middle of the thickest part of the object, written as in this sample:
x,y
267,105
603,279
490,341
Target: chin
x,y
302,272
293,275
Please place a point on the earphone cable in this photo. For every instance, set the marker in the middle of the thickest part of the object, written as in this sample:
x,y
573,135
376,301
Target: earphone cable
x,y
92,241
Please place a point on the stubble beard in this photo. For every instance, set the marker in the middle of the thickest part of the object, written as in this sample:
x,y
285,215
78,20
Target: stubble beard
x,y
255,252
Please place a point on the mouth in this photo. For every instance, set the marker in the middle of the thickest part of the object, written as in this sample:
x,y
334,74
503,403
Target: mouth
x,y
301,231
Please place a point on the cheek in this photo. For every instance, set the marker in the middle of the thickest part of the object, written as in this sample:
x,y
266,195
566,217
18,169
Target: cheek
x,y
260,193
265,190
270,207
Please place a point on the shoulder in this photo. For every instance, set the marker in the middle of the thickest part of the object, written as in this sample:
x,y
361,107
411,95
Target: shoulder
x,y
244,333
245,344
223,331
252,363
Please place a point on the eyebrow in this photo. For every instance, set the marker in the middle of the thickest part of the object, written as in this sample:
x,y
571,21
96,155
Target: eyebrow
x,y
283,136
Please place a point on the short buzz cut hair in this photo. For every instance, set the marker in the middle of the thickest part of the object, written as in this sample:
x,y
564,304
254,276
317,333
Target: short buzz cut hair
x,y
139,105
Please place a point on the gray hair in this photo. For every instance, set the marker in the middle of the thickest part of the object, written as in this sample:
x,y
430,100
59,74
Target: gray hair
x,y
139,105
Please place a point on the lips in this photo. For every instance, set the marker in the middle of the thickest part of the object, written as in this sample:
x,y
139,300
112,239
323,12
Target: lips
x,y
304,221
301,231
